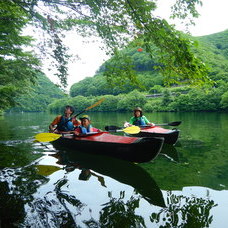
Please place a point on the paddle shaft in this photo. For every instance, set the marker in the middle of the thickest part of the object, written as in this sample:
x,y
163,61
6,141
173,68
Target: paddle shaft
x,y
176,123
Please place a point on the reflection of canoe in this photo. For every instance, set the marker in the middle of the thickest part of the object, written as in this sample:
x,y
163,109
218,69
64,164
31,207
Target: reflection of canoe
x,y
170,135
120,170
170,152
128,148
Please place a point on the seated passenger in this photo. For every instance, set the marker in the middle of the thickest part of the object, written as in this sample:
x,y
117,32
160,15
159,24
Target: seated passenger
x,y
66,122
85,126
138,119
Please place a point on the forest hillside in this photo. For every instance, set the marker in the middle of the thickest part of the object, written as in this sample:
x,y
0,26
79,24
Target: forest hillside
x,y
148,91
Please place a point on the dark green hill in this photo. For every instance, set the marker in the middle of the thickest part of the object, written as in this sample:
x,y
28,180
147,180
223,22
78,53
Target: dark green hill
x,y
41,95
218,40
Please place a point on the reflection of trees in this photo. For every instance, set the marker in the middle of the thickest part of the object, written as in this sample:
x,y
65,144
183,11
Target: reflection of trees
x,y
117,213
56,209
16,188
183,211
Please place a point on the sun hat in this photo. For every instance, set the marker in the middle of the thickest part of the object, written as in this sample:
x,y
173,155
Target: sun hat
x,y
85,117
138,109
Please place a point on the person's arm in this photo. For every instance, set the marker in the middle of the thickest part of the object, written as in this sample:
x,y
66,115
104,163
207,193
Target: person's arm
x,y
131,122
76,122
96,129
77,131
147,121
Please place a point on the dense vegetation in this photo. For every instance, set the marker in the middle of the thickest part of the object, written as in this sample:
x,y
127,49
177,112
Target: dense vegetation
x,y
116,22
212,49
41,95
152,95
18,68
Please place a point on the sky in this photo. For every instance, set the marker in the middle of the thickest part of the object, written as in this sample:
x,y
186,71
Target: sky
x,y
213,18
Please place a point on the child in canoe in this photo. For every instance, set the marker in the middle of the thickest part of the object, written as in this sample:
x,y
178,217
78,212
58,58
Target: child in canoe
x,y
85,126
138,119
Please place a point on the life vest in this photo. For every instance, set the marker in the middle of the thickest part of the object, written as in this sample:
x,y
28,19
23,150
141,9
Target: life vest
x,y
138,121
84,130
65,124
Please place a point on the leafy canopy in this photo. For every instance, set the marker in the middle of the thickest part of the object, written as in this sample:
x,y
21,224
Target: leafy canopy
x,y
117,22
17,67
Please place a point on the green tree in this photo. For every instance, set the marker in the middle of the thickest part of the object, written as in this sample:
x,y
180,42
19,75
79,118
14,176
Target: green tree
x,y
41,95
131,100
117,22
18,68
224,100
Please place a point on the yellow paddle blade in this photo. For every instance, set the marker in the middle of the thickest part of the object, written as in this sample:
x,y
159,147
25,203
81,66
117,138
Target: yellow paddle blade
x,y
94,105
46,170
47,137
132,130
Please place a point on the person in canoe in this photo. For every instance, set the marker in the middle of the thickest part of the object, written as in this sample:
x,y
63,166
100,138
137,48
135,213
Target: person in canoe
x,y
85,126
64,123
138,119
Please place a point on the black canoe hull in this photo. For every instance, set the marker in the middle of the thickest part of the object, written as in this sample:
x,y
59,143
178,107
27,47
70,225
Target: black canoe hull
x,y
142,150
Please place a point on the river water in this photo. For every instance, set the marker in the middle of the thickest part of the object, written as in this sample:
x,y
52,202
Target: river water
x,y
185,186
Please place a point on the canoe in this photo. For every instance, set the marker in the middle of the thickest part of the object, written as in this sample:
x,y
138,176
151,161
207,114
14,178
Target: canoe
x,y
122,171
134,149
170,135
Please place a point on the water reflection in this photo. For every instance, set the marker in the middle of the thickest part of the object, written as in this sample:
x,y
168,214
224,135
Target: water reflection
x,y
120,170
170,152
80,191
184,211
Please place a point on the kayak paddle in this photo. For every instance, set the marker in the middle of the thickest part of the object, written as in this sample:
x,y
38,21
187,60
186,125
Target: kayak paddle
x,y
176,123
129,130
47,137
90,107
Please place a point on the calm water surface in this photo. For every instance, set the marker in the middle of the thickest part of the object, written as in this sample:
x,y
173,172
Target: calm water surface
x,y
185,186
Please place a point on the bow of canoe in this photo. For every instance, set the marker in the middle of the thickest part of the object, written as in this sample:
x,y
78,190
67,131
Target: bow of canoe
x,y
170,135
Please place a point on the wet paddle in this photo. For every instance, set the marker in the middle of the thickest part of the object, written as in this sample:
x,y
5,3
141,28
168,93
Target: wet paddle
x,y
175,123
129,130
47,137
136,129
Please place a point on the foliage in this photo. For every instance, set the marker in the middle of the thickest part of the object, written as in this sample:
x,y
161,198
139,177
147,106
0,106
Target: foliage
x,y
219,40
18,67
41,95
97,85
172,99
224,100
117,23
132,99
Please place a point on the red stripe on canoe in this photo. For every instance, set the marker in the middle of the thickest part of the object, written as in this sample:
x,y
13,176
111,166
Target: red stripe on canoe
x,y
155,129
107,137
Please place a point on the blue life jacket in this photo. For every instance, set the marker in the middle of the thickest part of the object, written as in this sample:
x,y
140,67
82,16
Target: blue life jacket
x,y
65,124
85,130
139,121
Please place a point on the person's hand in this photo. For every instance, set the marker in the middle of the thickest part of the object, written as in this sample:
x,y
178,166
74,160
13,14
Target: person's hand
x,y
151,124
126,124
